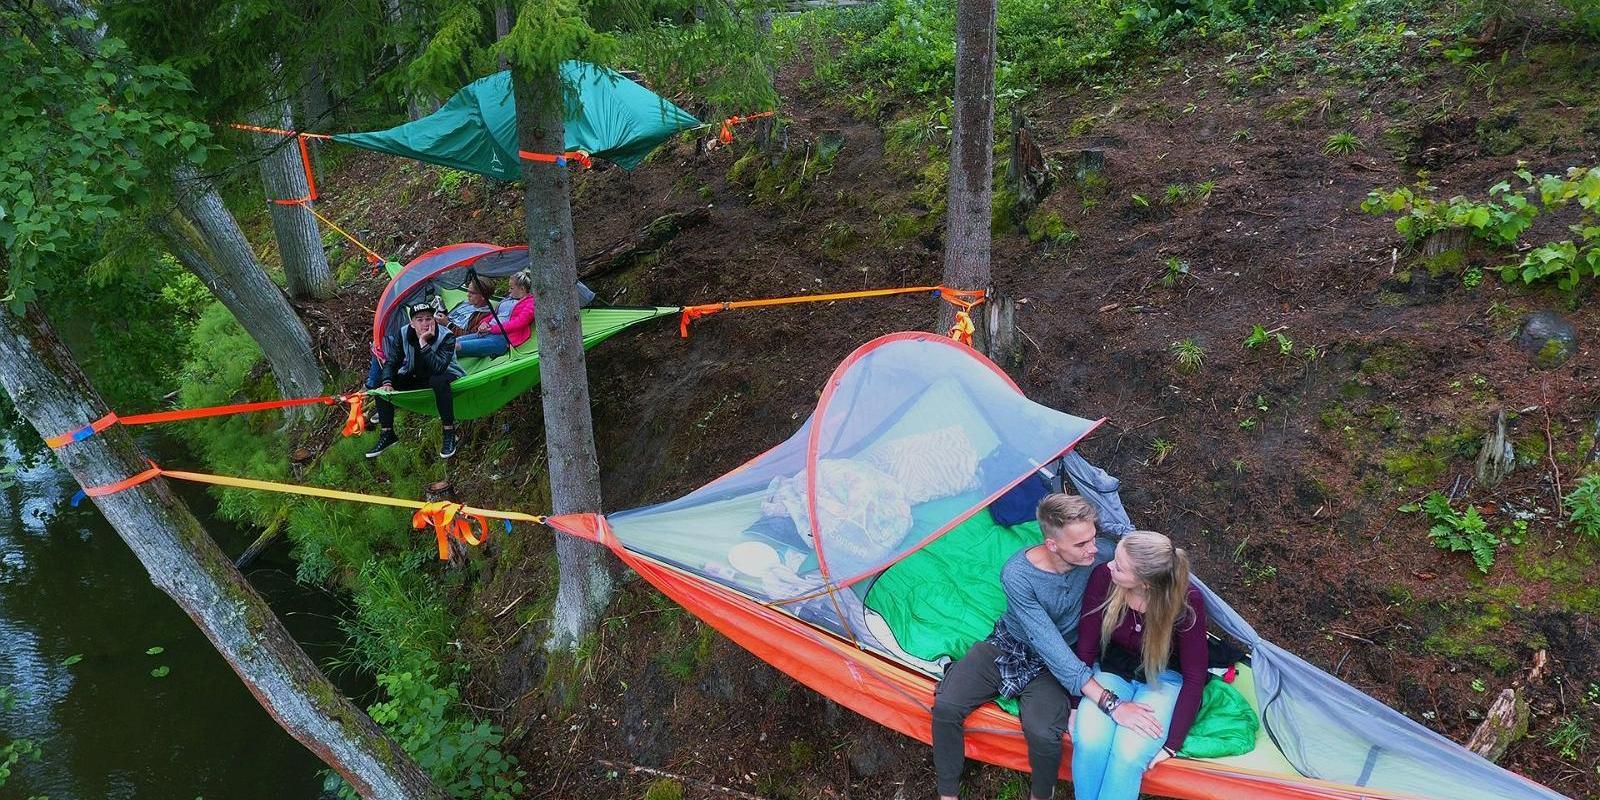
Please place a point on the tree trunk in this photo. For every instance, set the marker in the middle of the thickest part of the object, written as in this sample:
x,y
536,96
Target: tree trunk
x,y
966,246
207,241
315,111
1028,171
48,389
587,573
283,173
502,27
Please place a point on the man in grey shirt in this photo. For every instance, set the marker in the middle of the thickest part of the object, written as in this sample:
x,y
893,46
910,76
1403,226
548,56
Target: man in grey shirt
x,y
1030,654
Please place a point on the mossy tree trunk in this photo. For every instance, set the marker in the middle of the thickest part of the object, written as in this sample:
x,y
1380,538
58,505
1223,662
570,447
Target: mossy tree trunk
x,y
587,572
206,239
49,390
966,236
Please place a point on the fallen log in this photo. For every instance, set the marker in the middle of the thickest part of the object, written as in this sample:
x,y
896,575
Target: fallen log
x,y
627,252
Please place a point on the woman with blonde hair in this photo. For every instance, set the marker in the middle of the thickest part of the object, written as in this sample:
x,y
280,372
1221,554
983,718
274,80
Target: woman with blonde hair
x,y
1144,629
510,326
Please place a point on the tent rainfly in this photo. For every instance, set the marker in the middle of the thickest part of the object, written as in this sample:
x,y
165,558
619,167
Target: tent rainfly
x,y
607,116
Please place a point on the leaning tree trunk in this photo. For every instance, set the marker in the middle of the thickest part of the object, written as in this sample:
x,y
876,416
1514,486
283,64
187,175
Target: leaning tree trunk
x,y
966,235
50,391
207,241
588,574
283,173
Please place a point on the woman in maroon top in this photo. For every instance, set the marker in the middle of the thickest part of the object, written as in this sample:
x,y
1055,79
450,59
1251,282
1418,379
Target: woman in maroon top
x,y
1141,618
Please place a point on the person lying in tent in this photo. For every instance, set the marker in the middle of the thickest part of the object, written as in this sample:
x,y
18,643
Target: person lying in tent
x,y
471,312
1141,617
510,326
420,355
1030,654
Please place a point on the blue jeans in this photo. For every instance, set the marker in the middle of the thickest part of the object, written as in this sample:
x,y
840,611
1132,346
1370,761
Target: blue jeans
x,y
1108,760
374,373
482,345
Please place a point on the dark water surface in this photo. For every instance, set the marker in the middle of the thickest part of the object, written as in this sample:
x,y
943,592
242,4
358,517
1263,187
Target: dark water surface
x,y
108,729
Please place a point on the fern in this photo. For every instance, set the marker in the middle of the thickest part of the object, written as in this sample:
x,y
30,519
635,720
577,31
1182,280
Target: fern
x,y
1583,503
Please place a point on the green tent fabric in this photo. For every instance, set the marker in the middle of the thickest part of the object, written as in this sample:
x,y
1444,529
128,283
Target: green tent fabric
x,y
476,130
492,382
945,597
1225,726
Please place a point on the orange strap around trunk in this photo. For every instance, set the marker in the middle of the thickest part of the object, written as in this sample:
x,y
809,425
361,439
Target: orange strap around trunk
x,y
355,423
450,521
726,134
962,298
79,434
559,159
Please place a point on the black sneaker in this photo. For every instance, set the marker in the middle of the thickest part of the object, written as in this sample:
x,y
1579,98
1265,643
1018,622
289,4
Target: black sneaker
x,y
448,447
385,438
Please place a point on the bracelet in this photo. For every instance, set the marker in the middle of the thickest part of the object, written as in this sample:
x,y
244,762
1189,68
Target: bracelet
x,y
1109,701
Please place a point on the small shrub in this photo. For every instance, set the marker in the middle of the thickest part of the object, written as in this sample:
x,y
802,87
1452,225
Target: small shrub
x,y
1342,143
1189,355
1176,270
1583,505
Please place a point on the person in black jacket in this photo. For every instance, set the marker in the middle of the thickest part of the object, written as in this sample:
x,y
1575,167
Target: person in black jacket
x,y
421,355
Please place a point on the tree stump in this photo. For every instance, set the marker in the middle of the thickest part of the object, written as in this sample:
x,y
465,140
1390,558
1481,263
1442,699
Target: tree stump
x,y
1506,722
1090,162
441,490
1496,458
628,252
997,335
1449,240
1028,172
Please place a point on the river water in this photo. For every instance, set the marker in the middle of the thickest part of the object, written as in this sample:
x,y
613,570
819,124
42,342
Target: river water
x,y
109,729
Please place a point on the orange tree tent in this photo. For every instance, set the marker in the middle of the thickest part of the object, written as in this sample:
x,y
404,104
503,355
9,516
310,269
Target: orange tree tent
x,y
913,438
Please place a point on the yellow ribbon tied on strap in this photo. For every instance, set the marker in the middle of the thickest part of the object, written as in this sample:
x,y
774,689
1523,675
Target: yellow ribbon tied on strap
x,y
450,521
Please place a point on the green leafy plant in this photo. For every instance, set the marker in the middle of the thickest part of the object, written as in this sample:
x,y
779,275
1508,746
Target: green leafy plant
x,y
17,749
1258,336
1159,450
1570,737
1471,278
1583,506
72,659
1342,143
1499,220
462,755
1174,194
1202,190
1176,270
161,671
1189,355
1139,201
1458,531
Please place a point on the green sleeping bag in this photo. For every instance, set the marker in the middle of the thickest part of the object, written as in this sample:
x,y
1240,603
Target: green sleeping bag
x,y
942,599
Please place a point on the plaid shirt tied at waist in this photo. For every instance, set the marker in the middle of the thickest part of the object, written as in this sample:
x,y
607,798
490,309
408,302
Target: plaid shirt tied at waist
x,y
1017,662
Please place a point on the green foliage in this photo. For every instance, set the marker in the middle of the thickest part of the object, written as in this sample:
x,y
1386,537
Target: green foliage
x,y
161,671
1464,531
1499,221
906,48
1570,737
86,133
15,750
715,52
463,756
1049,226
1189,355
1583,506
8,475
1342,143
1503,218
664,789
1585,16
1165,17
1176,270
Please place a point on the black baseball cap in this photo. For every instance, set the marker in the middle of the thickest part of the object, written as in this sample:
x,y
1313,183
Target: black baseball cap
x,y
414,309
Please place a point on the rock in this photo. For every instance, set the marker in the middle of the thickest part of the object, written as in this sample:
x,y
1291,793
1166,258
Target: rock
x,y
1549,338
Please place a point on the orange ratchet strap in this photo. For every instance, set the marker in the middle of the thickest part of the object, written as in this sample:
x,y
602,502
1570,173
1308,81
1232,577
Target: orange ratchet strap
x,y
962,298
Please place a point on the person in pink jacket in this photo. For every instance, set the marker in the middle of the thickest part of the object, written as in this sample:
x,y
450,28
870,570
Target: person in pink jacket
x,y
510,325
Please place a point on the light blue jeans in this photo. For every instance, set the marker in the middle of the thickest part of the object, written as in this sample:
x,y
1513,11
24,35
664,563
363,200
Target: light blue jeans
x,y
482,345
1108,760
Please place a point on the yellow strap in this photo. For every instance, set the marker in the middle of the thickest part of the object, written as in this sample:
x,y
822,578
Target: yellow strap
x,y
335,494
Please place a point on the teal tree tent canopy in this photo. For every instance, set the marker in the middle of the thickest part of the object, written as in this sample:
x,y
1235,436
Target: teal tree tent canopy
x,y
607,116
